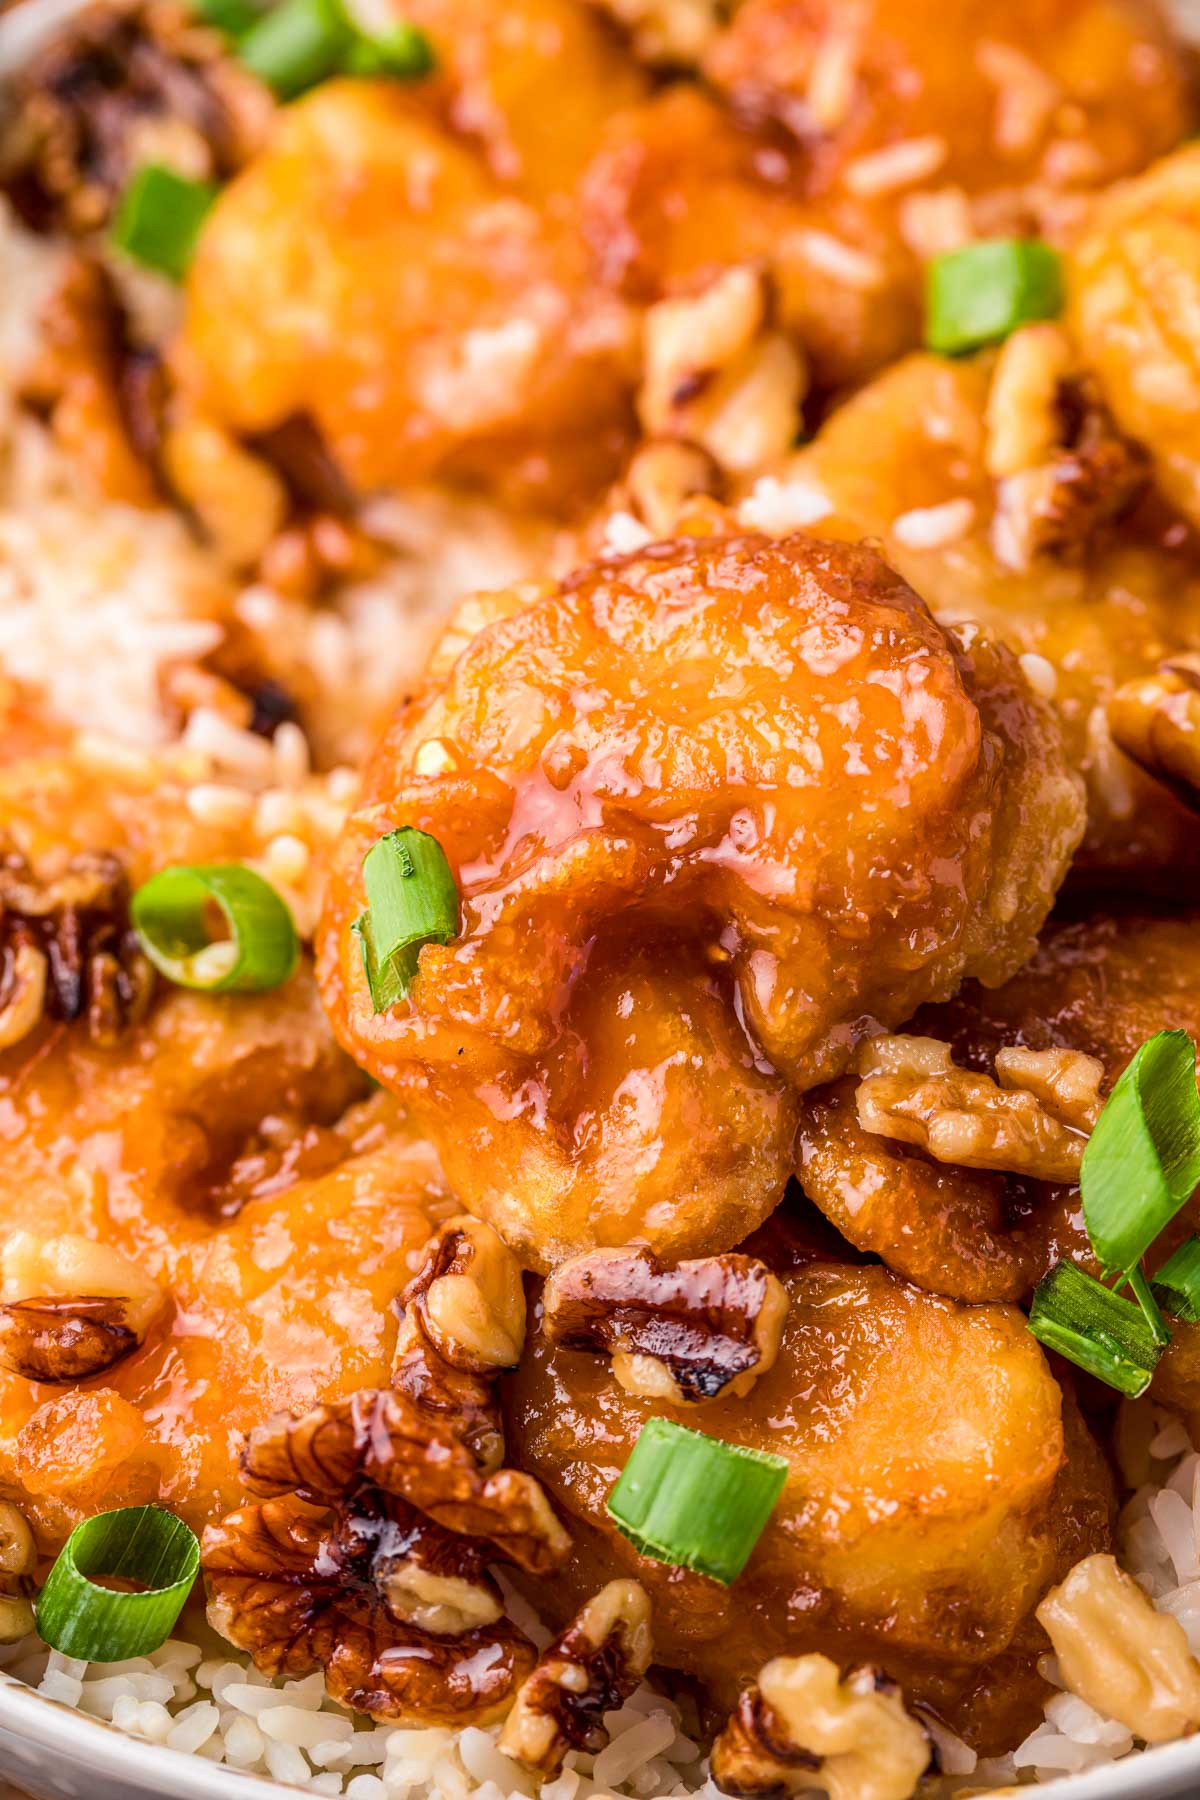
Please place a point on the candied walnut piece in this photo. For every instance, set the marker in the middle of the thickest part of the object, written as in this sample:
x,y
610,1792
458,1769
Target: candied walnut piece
x,y
1156,721
462,1320
380,1437
803,1726
588,1670
717,375
1035,1121
300,1593
1087,476
77,923
1118,1653
684,1332
17,1557
123,83
70,1307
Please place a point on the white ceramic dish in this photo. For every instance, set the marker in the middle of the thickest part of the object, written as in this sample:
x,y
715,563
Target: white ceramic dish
x,y
54,1753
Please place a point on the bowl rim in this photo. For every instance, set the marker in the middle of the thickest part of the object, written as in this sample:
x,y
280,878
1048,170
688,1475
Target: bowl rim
x,y
1156,1773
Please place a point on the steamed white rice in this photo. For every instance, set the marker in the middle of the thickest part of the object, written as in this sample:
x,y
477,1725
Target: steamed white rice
x,y
219,1707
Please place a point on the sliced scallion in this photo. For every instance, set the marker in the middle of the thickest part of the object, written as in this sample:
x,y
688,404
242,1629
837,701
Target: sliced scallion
x,y
1094,1328
695,1501
1141,1290
297,44
979,294
403,54
234,18
1142,1161
159,218
174,912
301,42
1176,1287
412,900
136,1544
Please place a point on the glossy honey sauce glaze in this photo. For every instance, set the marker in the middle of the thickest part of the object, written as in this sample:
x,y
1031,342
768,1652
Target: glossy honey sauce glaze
x,y
555,442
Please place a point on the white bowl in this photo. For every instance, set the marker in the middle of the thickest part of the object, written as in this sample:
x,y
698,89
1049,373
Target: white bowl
x,y
55,1753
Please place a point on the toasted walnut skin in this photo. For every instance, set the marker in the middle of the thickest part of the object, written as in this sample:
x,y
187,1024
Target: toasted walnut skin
x,y
691,1331
715,792
929,1563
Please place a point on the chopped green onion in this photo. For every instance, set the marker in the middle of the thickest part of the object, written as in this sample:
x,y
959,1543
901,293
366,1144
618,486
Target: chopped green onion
x,y
1142,1161
296,45
232,17
403,53
1094,1328
159,217
411,900
1176,1287
695,1501
142,1544
301,42
172,914
980,294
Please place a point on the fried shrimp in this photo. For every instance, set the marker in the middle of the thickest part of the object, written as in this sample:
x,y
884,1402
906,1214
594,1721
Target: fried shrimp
x,y
739,798
937,1481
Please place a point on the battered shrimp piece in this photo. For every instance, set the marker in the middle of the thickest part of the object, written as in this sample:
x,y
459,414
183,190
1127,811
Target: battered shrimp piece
x,y
938,1482
714,810
1010,108
428,319
284,1307
857,142
1096,988
1090,593
1134,285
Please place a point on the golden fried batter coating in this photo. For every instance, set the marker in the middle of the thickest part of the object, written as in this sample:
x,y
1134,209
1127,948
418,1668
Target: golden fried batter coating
x,y
938,1483
371,271
1099,986
713,810
907,461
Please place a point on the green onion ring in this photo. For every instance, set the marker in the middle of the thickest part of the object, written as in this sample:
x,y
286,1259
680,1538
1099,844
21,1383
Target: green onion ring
x,y
98,1624
169,916
1176,1287
159,218
695,1501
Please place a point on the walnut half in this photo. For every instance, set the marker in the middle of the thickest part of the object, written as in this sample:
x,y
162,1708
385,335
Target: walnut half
x,y
802,1726
66,943
685,1332
1119,1654
302,1591
69,1307
1033,1121
588,1670
1156,721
